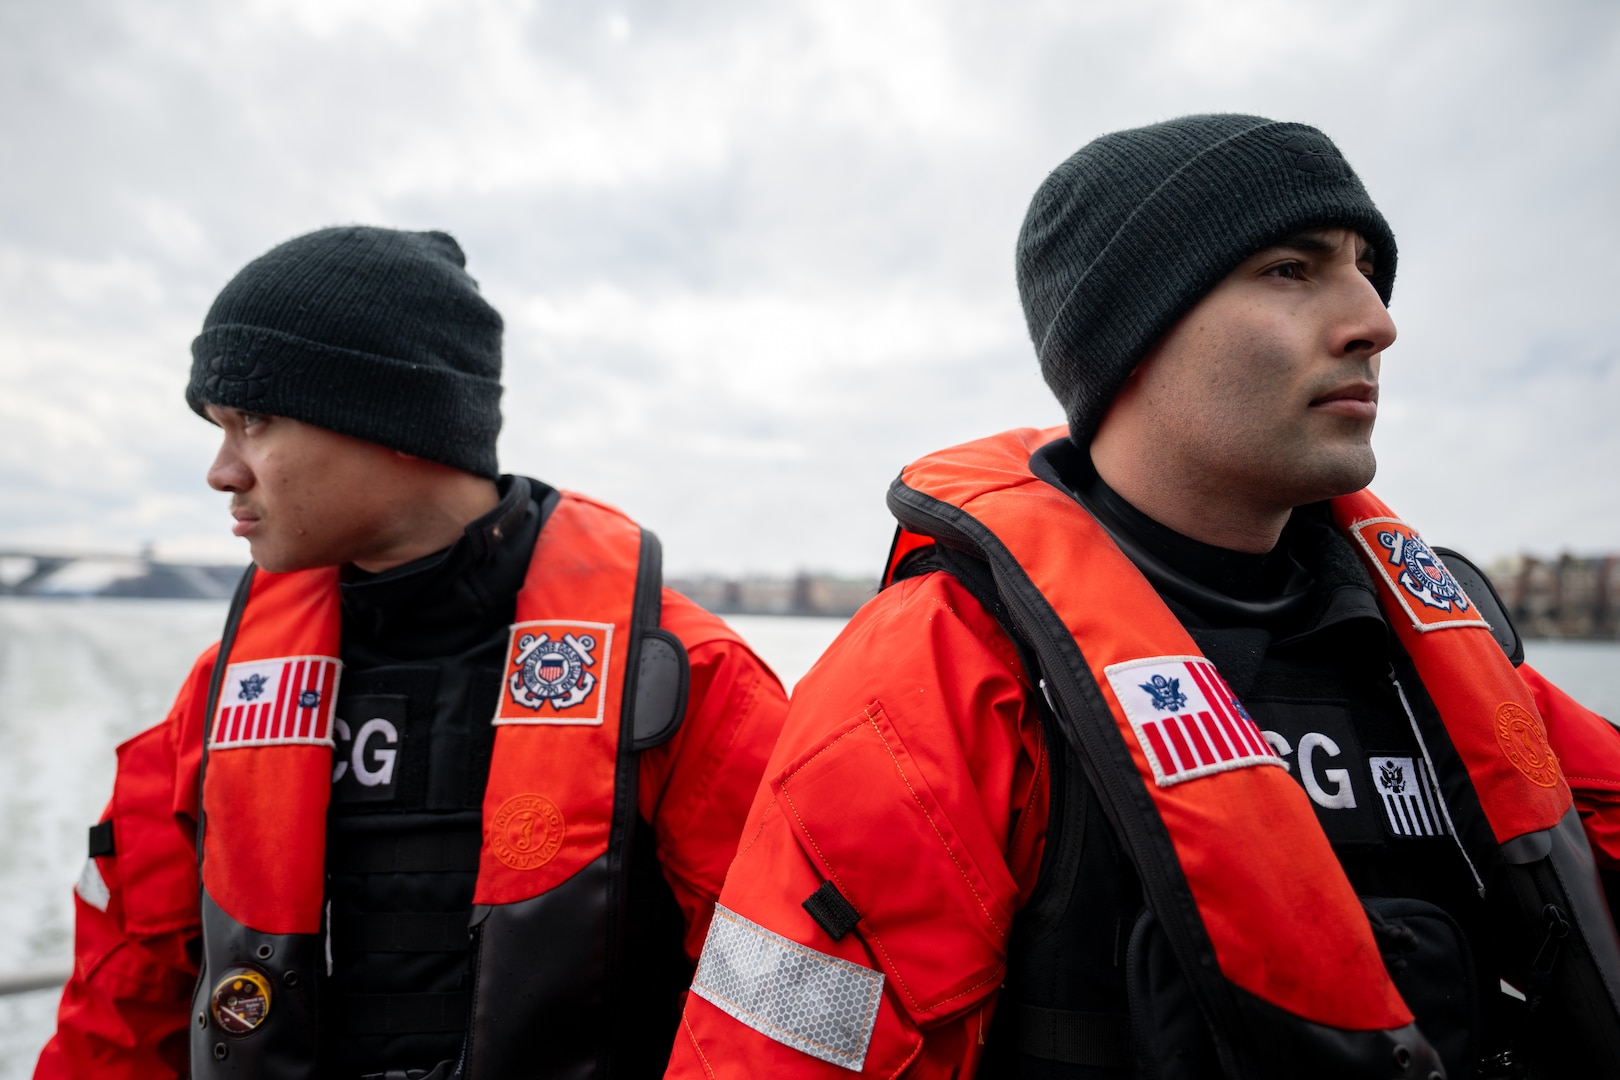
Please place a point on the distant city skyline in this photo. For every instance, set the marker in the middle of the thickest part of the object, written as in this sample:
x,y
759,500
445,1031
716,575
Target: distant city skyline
x,y
1563,597
754,259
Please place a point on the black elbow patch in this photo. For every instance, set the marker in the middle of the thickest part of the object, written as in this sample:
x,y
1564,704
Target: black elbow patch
x,y
831,911
101,840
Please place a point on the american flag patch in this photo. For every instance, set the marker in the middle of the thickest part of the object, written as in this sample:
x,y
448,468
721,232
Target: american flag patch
x,y
1411,802
278,702
1187,719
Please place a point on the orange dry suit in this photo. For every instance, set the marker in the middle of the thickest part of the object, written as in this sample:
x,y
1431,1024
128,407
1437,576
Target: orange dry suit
x,y
921,836
621,705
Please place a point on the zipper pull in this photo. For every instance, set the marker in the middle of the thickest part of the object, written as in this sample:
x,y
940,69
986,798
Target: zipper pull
x,y
1556,930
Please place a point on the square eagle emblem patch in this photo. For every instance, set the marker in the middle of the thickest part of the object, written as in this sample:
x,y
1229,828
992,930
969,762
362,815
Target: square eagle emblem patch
x,y
1416,576
555,673
1187,720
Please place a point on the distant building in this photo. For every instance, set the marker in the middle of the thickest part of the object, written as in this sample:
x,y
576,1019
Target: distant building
x,y
1570,596
1567,597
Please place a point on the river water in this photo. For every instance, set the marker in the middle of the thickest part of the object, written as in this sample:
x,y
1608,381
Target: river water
x,y
79,676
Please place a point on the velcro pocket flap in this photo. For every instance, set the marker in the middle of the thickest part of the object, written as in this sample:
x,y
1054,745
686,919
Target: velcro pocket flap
x,y
926,875
153,875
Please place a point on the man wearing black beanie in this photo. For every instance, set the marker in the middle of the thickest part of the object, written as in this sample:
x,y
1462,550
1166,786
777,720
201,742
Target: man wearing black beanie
x,y
1193,758
455,794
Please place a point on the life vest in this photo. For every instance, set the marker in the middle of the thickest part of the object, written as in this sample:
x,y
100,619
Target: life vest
x,y
590,680
1280,958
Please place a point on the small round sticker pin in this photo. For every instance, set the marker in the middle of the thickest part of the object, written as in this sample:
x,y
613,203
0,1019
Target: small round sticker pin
x,y
241,1001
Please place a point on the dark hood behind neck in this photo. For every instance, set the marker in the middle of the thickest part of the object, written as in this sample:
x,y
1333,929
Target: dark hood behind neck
x,y
446,602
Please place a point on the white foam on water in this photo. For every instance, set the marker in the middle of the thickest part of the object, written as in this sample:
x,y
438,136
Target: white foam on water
x,y
77,677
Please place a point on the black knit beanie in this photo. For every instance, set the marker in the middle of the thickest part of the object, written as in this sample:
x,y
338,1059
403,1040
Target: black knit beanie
x,y
374,333
1130,233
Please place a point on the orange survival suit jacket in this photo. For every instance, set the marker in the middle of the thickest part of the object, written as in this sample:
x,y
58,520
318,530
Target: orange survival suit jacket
x,y
913,768
125,1011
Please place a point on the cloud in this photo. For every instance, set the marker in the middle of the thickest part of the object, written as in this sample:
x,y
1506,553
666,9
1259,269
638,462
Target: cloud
x,y
756,257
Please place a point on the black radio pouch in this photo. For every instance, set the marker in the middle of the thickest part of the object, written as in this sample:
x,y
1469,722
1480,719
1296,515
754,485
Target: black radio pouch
x,y
1431,965
1423,947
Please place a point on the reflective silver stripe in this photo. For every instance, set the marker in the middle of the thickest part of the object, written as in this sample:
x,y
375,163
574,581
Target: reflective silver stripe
x,y
92,887
789,992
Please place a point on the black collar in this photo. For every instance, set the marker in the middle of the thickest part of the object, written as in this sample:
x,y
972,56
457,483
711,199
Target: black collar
x,y
448,601
1311,581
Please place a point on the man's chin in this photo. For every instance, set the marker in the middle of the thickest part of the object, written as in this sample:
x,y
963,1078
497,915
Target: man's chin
x,y
274,559
1346,475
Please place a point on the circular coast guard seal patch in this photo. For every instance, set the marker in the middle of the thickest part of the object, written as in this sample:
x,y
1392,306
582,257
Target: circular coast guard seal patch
x,y
1524,743
556,673
1416,576
526,832
553,670
1422,574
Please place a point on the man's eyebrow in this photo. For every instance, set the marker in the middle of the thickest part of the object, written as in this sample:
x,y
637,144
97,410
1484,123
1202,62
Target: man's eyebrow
x,y
1309,243
1306,244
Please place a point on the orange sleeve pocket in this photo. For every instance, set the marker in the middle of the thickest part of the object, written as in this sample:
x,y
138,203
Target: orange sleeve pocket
x,y
156,860
911,850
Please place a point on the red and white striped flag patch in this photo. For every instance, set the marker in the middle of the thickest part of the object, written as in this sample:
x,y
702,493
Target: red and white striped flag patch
x,y
1187,719
281,702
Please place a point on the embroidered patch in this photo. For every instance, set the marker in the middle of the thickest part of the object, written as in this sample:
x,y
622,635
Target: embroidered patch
x,y
1416,576
1187,719
553,671
820,1004
1411,801
283,702
1520,735
526,831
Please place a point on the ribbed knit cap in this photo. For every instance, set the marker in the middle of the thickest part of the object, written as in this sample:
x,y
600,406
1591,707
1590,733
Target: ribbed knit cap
x,y
375,333
1127,235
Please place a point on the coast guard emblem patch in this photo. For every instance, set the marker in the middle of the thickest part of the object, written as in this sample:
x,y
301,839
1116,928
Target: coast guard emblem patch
x,y
1187,720
554,671
1416,576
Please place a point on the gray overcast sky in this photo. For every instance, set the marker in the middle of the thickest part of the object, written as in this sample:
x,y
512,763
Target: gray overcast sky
x,y
755,257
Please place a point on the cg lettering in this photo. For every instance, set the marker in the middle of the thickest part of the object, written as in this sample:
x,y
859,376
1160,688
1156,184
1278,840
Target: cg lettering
x,y
1335,793
379,770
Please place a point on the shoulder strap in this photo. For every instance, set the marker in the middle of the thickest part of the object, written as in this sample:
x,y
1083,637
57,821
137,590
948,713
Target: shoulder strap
x,y
233,619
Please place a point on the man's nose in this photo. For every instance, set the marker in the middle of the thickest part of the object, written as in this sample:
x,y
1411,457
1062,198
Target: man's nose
x,y
229,472
1367,327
